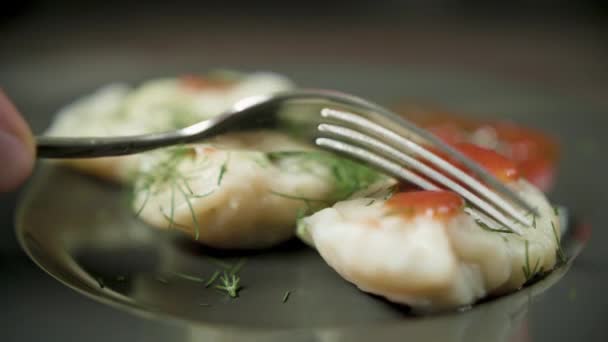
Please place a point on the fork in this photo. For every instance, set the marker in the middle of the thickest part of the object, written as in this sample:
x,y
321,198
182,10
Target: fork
x,y
338,122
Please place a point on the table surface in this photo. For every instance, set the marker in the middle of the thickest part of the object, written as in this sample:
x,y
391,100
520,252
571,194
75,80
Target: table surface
x,y
45,61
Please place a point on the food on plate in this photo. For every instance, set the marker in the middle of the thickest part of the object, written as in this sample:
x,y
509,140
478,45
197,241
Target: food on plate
x,y
535,153
239,191
428,249
155,106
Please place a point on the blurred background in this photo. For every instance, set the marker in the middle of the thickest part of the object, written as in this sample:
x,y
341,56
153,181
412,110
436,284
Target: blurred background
x,y
54,51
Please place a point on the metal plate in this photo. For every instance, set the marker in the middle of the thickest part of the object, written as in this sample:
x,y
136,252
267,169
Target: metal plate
x,y
78,230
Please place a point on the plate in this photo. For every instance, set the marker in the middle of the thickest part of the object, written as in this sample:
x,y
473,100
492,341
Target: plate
x,y
80,231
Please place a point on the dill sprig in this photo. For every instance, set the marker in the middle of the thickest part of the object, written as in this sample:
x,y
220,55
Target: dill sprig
x,y
213,278
230,283
307,200
162,280
530,273
223,170
166,175
236,268
484,226
391,191
286,295
347,176
559,252
189,277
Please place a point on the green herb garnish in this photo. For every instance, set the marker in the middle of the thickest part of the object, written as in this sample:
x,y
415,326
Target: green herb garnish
x,y
559,252
230,284
346,175
223,170
484,226
189,277
236,268
212,279
165,175
286,296
162,280
530,273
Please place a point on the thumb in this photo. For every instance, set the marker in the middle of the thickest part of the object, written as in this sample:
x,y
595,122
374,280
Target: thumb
x,y
17,150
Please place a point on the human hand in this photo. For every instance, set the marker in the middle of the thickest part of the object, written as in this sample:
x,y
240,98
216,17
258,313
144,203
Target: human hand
x,y
17,147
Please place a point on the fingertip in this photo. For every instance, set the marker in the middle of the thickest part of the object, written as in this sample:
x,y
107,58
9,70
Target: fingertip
x,y
17,146
17,162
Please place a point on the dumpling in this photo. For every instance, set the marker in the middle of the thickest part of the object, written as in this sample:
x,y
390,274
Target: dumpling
x,y
428,250
243,190
155,106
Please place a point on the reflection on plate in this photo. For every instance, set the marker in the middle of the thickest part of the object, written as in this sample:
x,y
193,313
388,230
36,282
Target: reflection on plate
x,y
79,231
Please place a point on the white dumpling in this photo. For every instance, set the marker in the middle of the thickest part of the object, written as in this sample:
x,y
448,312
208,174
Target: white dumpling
x,y
427,262
155,106
237,193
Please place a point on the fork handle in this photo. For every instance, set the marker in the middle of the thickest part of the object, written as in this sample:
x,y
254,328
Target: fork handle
x,y
59,147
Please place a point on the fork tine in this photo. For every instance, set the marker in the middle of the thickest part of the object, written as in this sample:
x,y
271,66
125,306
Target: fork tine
x,y
392,154
407,144
364,124
373,159
405,127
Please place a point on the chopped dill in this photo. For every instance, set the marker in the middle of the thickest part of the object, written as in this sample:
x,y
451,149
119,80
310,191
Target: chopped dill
x,y
189,277
219,262
534,221
484,226
559,252
307,201
230,283
298,198
172,210
169,219
370,203
213,278
223,170
556,211
262,161
202,195
530,273
391,192
143,205
166,175
347,176
286,296
161,280
236,268
197,229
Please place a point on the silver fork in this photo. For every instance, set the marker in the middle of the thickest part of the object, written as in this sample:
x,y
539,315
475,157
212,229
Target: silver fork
x,y
338,122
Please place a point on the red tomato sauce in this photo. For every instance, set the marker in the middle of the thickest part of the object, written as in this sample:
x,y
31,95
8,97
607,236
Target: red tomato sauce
x,y
534,153
435,204
198,83
498,165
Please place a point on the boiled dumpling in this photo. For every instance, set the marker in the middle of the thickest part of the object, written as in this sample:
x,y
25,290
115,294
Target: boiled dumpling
x,y
428,250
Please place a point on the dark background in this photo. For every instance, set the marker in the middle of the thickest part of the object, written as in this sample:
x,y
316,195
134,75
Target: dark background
x,y
53,51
